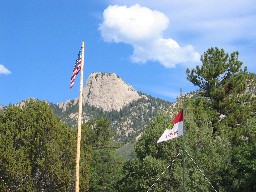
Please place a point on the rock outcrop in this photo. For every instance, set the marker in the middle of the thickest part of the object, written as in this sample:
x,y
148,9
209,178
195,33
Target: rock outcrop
x,y
108,91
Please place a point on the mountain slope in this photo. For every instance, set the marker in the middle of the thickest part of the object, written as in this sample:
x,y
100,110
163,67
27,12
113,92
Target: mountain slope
x,y
106,94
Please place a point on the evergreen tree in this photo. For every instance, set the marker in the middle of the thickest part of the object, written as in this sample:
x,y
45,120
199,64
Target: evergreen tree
x,y
219,134
240,173
37,150
152,159
222,80
230,91
105,165
217,67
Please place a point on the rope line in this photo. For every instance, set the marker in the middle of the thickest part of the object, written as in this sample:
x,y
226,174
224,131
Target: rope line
x,y
173,162
201,171
163,172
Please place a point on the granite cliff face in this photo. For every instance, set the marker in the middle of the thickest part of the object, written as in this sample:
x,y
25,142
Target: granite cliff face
x,y
105,91
108,92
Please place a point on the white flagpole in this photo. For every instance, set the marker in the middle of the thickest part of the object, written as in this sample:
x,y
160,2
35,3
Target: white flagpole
x,y
79,120
183,142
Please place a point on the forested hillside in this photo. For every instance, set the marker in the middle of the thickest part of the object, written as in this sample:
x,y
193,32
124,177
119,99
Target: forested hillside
x,y
127,123
38,148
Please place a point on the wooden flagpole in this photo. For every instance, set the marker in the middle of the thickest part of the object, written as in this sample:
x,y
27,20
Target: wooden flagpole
x,y
79,120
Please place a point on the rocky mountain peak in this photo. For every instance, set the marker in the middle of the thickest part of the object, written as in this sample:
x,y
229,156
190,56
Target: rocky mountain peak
x,y
108,91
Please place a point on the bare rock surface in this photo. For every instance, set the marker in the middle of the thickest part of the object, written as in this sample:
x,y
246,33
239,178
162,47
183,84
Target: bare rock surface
x,y
108,91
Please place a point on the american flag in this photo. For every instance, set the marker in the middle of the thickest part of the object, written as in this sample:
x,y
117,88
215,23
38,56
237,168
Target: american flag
x,y
76,69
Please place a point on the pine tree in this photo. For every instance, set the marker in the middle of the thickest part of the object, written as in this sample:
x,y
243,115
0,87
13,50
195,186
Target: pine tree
x,y
152,159
222,80
105,164
37,150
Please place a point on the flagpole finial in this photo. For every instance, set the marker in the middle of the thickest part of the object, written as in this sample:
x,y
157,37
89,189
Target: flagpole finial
x,y
82,47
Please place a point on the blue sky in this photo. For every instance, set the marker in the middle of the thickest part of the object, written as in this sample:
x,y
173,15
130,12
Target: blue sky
x,y
146,42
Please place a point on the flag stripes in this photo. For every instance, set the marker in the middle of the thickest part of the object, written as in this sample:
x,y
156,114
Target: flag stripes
x,y
76,69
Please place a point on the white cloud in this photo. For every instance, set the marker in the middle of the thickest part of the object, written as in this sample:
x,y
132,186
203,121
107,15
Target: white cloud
x,y
226,24
4,70
143,29
132,24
